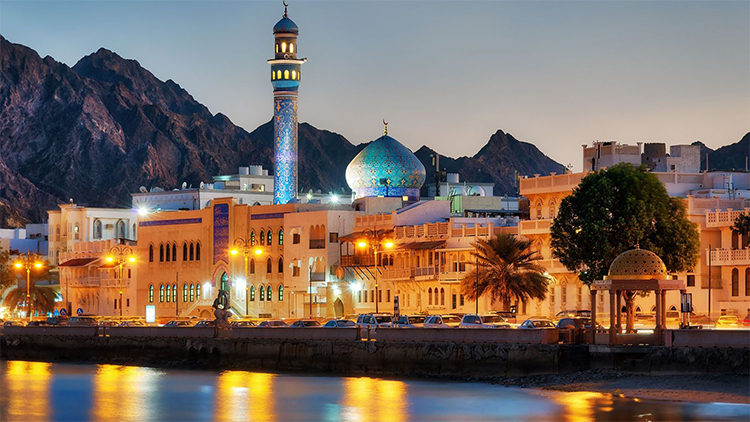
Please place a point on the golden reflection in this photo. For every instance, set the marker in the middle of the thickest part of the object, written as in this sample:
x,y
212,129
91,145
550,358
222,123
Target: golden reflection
x,y
123,393
242,395
27,389
580,405
372,399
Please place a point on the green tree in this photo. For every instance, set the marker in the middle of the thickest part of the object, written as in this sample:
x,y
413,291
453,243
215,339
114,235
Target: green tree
x,y
507,270
7,277
614,210
742,226
42,298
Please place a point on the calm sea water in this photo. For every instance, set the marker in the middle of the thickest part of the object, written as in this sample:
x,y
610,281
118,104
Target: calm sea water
x,y
36,391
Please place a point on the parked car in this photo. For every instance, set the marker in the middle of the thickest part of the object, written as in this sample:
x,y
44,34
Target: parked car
x,y
574,323
243,323
573,313
483,321
509,316
745,322
36,323
273,323
410,321
534,323
306,323
82,321
57,320
442,321
180,323
133,323
13,323
375,320
727,321
340,323
205,323
108,323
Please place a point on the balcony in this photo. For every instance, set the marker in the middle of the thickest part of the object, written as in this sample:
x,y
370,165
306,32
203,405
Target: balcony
x,y
553,183
724,218
395,273
424,271
317,243
535,226
357,261
721,257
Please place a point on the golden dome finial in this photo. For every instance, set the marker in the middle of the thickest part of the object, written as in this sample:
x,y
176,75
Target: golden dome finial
x,y
385,127
285,6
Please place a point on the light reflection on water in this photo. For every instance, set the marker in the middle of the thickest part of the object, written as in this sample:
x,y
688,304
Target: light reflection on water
x,y
36,391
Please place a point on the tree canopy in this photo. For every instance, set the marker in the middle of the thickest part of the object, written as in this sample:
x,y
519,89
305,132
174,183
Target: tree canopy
x,y
616,209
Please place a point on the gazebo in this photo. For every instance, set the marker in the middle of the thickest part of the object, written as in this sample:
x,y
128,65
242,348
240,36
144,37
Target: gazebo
x,y
634,270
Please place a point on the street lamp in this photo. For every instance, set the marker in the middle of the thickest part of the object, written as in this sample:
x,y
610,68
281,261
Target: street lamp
x,y
28,261
375,240
245,246
119,255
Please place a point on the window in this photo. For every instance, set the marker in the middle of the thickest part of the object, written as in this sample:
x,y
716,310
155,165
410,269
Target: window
x,y
286,74
184,293
121,229
269,266
281,237
262,237
184,252
97,229
372,295
365,294
252,266
150,253
277,48
462,300
747,282
192,292
273,73
359,296
115,303
127,301
252,293
281,293
735,282
278,74
283,48
161,253
735,239
691,280
224,282
269,237
174,293
291,47
281,265
295,271
333,237
198,291
294,74
388,296
174,252
161,293
442,296
192,251
262,292
252,238
198,252
380,296
129,273
296,238
454,301
169,293
429,296
151,293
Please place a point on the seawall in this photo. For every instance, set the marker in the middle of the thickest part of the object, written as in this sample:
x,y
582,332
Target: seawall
x,y
340,352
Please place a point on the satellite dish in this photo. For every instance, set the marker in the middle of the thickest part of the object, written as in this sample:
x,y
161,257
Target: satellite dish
x,y
202,185
142,189
184,185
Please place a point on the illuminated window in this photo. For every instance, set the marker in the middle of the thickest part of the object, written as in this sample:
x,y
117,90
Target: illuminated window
x,y
161,293
252,238
277,48
151,294
299,74
294,74
174,293
283,47
269,292
252,293
286,74
273,75
192,292
281,237
184,293
198,291
262,293
291,47
278,74
262,237
269,239
169,293
281,293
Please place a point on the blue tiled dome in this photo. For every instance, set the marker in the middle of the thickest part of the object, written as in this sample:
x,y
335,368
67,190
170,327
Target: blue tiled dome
x,y
385,158
286,25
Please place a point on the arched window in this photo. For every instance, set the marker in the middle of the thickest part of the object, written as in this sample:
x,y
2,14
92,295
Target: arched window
x,y
281,265
174,293
262,292
151,293
269,238
269,266
76,231
735,282
252,293
198,291
174,252
291,47
281,293
184,252
161,252
747,281
198,251
294,74
299,74
161,293
277,48
192,292
278,74
552,209
429,296
273,72
224,282
97,229
169,293
539,209
252,266
57,232
262,237
192,251
151,253
134,232
184,293
252,238
442,296
286,74
269,293
121,229
283,47
281,237
735,239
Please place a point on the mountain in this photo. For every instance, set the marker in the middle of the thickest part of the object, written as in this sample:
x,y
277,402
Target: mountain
x,y
99,130
728,157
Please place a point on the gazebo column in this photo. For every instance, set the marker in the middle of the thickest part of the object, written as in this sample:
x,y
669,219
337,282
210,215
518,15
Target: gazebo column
x,y
612,318
664,309
619,311
658,311
593,316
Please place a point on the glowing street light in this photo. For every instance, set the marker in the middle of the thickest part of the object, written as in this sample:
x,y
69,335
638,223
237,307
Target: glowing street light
x,y
28,260
246,247
119,255
375,238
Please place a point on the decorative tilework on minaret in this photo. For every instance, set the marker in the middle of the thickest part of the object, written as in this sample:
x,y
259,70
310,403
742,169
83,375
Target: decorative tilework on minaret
x,y
285,78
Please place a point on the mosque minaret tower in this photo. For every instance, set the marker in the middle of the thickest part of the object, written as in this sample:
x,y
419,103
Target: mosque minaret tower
x,y
285,78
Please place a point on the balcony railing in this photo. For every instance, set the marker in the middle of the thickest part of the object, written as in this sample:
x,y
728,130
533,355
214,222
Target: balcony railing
x,y
730,257
357,261
424,271
724,218
536,226
317,243
553,183
396,273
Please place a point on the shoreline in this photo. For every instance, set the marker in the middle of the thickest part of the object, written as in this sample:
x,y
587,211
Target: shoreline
x,y
693,388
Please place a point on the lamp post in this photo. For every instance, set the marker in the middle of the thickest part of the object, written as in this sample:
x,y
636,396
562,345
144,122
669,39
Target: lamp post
x,y
245,246
28,261
476,287
374,240
119,255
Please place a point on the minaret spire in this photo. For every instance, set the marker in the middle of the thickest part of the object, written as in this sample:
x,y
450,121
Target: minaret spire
x,y
285,7
385,128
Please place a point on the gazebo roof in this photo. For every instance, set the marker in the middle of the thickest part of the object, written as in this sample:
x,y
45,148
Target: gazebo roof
x,y
638,269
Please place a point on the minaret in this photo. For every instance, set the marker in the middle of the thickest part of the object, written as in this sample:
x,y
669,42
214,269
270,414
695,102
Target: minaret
x,y
285,77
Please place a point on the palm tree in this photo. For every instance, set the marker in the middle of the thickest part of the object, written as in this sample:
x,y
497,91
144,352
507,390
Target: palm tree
x,y
42,298
506,271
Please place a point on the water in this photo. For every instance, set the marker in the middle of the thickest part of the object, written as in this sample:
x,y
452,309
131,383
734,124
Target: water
x,y
35,391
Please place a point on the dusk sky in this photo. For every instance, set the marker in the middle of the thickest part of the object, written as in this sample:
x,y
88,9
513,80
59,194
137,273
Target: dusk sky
x,y
445,74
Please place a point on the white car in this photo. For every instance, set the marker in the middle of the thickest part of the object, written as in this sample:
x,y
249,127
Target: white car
x,y
410,321
535,323
483,321
339,323
442,321
375,321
